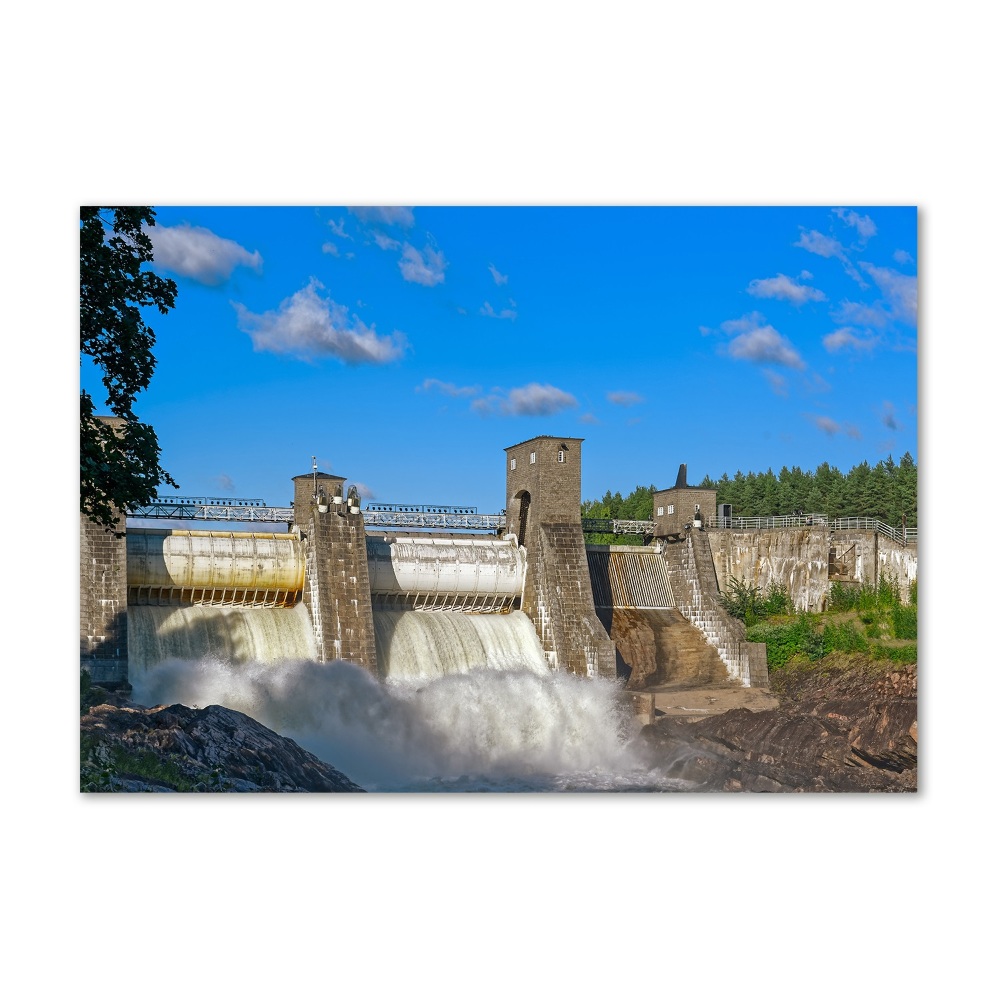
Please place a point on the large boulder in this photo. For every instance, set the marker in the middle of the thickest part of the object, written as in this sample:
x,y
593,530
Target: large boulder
x,y
129,748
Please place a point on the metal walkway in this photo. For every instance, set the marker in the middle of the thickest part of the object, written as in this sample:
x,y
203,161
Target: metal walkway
x,y
466,519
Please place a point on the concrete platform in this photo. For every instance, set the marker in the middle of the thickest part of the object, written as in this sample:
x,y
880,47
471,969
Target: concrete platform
x,y
681,700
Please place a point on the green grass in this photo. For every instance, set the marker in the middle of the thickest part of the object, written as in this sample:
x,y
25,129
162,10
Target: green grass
x,y
869,620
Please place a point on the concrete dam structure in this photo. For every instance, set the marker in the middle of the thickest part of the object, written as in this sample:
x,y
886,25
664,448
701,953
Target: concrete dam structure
x,y
530,594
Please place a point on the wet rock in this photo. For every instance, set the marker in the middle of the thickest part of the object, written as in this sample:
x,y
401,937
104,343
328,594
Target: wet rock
x,y
130,748
845,730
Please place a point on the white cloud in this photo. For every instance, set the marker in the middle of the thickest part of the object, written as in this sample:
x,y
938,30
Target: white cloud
x,y
625,398
308,326
389,215
385,242
783,287
846,338
778,383
364,492
831,427
488,310
195,252
331,248
826,246
900,290
425,268
902,257
862,223
588,418
338,229
532,400
860,314
759,342
816,242
225,483
448,388
826,424
751,321
889,416
500,279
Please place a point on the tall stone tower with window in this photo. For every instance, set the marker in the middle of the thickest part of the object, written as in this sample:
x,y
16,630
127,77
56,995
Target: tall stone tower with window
x,y
543,510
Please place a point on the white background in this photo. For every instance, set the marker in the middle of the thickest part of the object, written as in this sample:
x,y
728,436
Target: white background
x,y
451,103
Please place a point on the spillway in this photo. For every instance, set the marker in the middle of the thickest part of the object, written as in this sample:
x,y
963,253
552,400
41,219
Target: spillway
x,y
427,644
232,635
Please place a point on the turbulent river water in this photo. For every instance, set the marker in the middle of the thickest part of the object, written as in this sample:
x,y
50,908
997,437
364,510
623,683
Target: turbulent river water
x,y
466,703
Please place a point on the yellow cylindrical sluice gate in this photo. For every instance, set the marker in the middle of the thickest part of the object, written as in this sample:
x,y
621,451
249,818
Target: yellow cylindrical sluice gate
x,y
215,560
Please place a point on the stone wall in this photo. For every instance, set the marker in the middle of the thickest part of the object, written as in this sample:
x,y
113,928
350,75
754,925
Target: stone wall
x,y
795,558
103,604
337,591
799,559
879,557
693,581
543,510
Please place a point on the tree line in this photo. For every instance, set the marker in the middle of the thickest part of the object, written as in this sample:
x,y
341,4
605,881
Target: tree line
x,y
886,491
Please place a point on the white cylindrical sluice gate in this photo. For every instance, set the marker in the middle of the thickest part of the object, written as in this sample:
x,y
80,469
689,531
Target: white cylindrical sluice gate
x,y
476,574
215,560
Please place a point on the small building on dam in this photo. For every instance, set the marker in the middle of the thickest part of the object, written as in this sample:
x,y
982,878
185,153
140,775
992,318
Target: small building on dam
x,y
520,590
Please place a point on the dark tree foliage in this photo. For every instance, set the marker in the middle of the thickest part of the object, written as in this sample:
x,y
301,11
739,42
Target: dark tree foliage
x,y
887,492
119,460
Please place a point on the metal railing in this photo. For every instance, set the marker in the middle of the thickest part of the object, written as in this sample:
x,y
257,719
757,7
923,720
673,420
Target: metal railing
x,y
903,536
616,526
900,535
220,511
466,518
759,523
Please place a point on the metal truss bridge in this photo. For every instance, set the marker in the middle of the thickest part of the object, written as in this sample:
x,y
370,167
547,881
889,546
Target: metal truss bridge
x,y
377,515
442,517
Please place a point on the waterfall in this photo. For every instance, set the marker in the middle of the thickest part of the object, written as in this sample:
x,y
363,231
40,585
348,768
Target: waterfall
x,y
231,634
413,645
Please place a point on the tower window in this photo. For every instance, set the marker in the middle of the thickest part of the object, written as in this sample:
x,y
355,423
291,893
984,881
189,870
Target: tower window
x,y
513,464
532,459
670,508
659,512
561,456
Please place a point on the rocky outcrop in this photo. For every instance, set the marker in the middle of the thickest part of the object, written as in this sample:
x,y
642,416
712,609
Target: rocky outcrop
x,y
129,748
846,729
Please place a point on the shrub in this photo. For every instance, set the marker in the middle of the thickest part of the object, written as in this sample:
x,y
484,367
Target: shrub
x,y
843,638
842,597
787,640
904,621
777,601
742,600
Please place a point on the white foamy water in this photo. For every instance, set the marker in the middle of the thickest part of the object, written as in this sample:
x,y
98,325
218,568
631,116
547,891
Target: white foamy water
x,y
414,645
233,634
484,730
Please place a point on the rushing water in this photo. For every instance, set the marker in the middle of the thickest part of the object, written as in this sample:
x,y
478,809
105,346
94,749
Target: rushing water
x,y
468,702
233,634
486,730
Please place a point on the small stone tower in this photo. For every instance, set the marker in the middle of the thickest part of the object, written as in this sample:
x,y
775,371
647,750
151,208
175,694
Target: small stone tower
x,y
681,505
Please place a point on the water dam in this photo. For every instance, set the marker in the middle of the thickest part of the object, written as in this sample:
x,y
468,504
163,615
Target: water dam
x,y
439,605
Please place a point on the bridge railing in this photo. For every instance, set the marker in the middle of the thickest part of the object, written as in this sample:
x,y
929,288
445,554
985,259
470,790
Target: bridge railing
x,y
812,520
616,526
760,523
186,511
466,519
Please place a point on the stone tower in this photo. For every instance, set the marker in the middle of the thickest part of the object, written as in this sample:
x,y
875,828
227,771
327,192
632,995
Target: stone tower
x,y
543,510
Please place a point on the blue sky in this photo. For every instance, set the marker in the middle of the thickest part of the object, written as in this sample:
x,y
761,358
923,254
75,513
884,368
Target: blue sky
x,y
405,347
